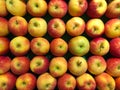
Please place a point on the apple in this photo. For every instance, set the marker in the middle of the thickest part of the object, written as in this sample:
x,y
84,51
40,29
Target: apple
x,y
4,45
56,28
79,45
94,27
40,46
66,82
77,7
39,64
117,83
113,9
37,8
16,7
26,81
75,26
5,62
113,69
20,65
115,47
99,46
112,28
57,8
77,65
46,81
58,66
96,8
58,47
96,64
3,26
17,26
86,82
105,82
7,81
37,27
19,46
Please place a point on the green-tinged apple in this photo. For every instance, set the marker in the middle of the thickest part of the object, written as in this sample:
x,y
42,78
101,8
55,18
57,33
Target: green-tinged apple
x,y
16,7
96,64
113,67
39,64
19,46
37,8
56,28
5,62
46,81
86,82
20,65
26,81
57,8
94,27
58,47
75,26
112,28
17,25
77,65
77,7
105,82
113,9
58,66
79,45
40,46
37,27
99,46
4,45
66,82
3,26
7,81
96,8
115,47
117,83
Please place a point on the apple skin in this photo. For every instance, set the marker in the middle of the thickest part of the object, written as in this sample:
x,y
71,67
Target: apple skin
x,y
75,26
40,46
113,68
113,9
19,46
105,82
112,28
117,83
56,28
58,47
96,8
99,46
86,82
66,82
77,8
26,81
20,65
37,8
5,62
57,8
46,81
37,27
77,65
3,24
39,64
94,27
58,66
96,64
79,45
115,47
16,7
4,45
7,81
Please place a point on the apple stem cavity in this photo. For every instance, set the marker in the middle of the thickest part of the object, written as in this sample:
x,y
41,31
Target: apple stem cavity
x,y
11,2
79,63
3,84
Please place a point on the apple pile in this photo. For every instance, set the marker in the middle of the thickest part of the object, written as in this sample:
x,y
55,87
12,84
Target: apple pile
x,y
60,44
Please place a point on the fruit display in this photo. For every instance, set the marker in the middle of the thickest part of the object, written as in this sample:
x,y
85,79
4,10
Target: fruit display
x,y
60,45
